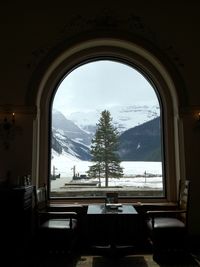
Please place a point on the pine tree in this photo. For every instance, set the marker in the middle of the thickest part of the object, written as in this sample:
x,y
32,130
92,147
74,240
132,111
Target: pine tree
x,y
104,150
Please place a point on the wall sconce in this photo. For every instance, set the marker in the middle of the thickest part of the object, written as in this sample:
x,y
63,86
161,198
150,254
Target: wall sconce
x,y
198,117
8,124
7,129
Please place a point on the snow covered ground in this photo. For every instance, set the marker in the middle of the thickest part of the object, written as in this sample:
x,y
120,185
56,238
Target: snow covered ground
x,y
136,174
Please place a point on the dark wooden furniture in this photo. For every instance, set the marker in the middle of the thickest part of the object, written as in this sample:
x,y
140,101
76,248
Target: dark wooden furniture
x,y
112,228
168,228
55,230
16,217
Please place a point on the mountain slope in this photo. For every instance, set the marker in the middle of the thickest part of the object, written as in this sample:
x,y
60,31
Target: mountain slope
x,y
62,143
141,143
124,117
69,128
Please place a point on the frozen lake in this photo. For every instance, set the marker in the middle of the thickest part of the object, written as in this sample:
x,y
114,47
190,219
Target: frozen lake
x,y
136,173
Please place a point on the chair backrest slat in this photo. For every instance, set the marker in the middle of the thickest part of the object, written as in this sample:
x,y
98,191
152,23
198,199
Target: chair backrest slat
x,y
41,198
184,192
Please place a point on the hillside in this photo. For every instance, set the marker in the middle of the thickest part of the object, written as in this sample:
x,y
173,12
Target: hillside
x,y
141,143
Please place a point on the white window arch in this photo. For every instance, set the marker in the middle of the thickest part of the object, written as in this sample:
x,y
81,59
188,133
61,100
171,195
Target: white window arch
x,y
123,51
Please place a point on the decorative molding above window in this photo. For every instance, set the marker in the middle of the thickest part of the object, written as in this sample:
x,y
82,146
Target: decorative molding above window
x,y
106,22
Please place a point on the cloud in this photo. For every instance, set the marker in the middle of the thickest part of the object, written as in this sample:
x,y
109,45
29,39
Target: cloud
x,y
102,84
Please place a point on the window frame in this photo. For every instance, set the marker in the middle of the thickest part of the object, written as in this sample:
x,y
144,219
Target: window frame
x,y
122,198
134,55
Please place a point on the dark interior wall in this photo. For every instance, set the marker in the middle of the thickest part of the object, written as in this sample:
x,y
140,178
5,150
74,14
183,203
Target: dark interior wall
x,y
31,33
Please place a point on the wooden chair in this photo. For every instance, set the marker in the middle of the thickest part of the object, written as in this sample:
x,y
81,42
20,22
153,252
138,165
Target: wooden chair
x,y
168,228
56,231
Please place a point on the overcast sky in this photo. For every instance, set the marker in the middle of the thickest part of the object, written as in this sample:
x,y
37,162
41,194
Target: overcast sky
x,y
100,85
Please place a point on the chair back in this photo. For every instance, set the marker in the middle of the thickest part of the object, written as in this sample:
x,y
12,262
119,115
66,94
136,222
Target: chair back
x,y
41,198
183,200
42,195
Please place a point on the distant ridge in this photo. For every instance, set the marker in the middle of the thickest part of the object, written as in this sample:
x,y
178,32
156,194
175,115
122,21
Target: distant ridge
x,y
140,143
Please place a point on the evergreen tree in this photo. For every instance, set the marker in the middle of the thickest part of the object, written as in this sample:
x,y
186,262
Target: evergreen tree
x,y
104,150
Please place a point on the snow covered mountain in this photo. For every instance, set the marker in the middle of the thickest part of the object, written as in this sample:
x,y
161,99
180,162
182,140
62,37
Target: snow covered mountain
x,y
66,127
124,117
73,134
69,138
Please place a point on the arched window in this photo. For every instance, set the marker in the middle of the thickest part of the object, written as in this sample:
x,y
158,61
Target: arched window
x,y
135,113
51,143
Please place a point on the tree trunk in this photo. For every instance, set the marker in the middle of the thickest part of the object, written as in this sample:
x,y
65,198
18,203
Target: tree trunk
x,y
106,175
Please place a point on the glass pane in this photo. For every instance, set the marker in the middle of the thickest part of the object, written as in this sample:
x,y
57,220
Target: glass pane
x,y
134,109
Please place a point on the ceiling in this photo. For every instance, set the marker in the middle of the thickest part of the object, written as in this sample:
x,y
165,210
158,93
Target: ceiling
x,y
31,32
